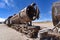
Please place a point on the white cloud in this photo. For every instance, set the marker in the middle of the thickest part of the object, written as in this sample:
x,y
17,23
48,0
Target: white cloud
x,y
50,12
2,5
9,2
2,19
6,3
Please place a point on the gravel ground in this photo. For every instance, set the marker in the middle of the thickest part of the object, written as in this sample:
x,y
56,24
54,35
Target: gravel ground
x,y
7,33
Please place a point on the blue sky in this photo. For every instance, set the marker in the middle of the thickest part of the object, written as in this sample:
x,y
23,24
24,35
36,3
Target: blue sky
x,y
10,7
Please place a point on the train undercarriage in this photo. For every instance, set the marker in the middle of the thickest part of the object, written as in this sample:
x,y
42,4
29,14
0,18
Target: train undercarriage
x,y
29,31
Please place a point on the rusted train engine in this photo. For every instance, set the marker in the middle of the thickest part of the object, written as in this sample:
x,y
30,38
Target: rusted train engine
x,y
52,33
56,14
25,16
23,20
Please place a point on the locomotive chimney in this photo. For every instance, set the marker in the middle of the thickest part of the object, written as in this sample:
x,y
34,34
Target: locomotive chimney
x,y
32,11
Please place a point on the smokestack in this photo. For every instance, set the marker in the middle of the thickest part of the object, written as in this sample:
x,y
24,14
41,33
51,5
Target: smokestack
x,y
33,4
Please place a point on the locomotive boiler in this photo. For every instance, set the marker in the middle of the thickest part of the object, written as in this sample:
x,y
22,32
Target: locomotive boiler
x,y
25,16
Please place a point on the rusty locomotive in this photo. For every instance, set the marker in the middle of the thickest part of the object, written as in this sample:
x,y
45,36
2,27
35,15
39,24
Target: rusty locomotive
x,y
54,33
26,15
56,14
23,20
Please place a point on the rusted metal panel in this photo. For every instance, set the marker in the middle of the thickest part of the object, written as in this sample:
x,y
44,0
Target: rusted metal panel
x,y
56,13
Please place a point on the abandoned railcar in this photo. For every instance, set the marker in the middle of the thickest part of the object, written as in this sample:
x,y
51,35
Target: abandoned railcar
x,y
23,20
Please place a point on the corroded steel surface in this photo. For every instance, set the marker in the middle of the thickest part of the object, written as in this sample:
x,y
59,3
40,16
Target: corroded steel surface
x,y
56,13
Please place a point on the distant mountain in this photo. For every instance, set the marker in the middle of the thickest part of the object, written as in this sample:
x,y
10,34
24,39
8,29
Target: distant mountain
x,y
42,21
1,22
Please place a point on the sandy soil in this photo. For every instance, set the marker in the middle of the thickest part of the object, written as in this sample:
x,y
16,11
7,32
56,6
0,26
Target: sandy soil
x,y
44,24
7,33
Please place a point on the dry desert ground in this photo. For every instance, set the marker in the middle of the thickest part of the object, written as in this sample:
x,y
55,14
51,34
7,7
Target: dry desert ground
x,y
7,33
44,24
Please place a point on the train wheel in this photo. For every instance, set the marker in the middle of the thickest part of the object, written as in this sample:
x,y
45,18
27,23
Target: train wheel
x,y
29,34
20,30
